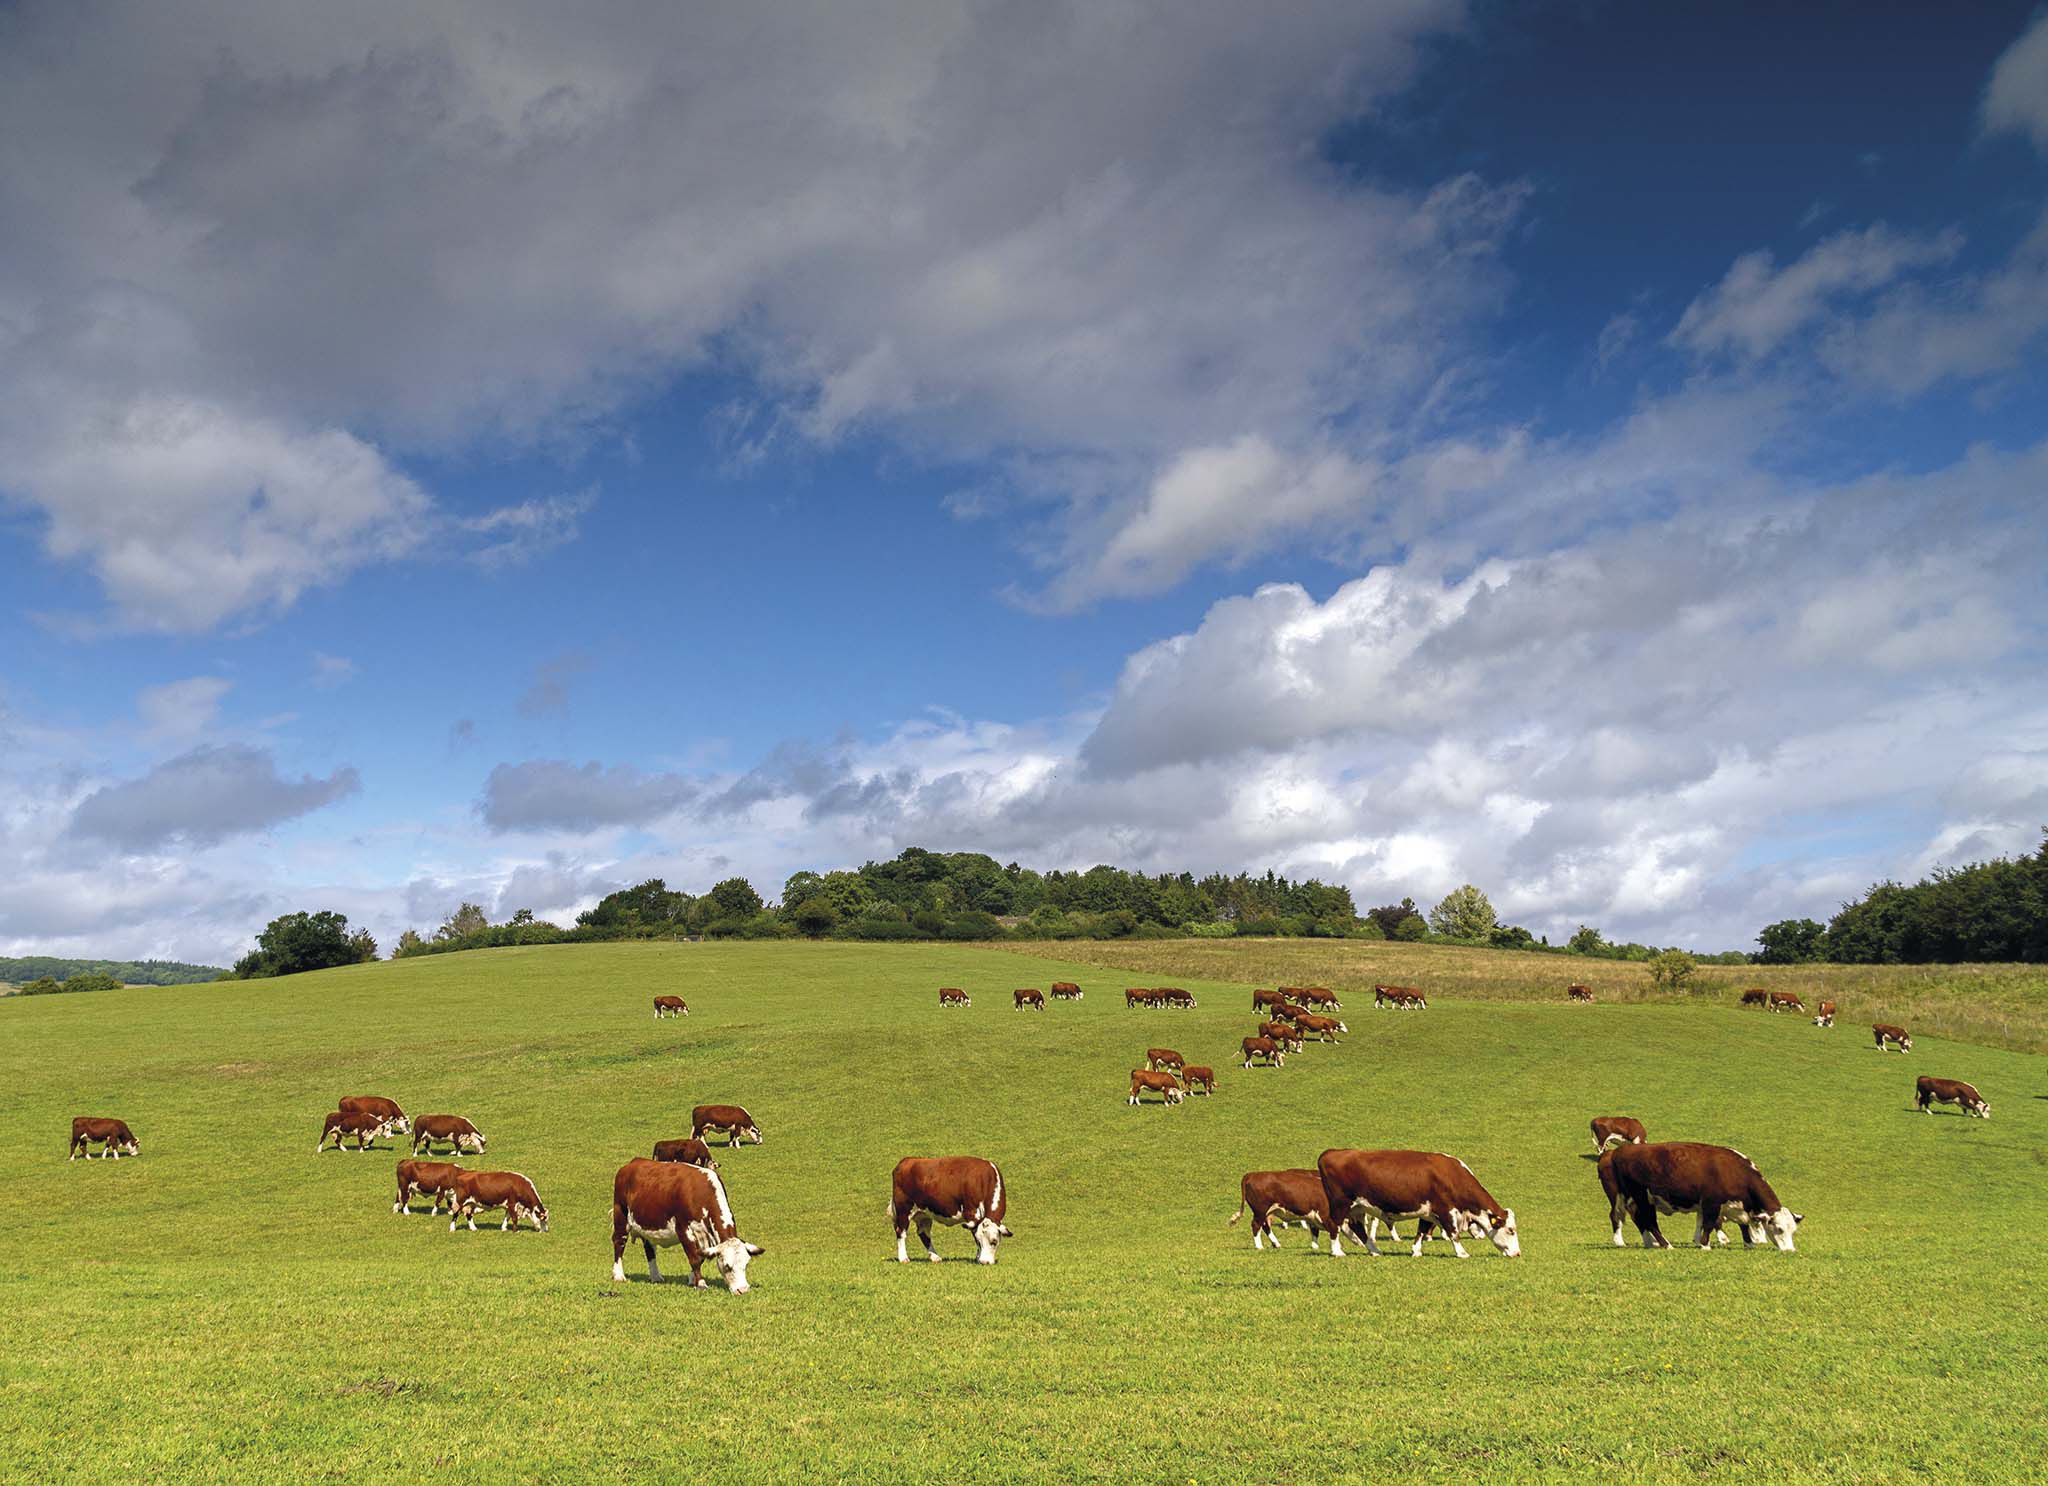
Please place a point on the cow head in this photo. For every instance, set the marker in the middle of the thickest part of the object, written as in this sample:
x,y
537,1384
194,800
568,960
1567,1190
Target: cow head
x,y
1906,1044
1502,1231
753,1133
1780,1225
733,1256
1978,1108
987,1234
130,1146
1174,1094
402,1125
470,1140
538,1214
1342,1028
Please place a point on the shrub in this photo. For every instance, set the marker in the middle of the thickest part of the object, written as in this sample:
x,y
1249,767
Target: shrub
x,y
1671,970
1411,930
1216,930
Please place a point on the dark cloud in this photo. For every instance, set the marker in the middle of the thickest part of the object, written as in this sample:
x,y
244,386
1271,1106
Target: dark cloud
x,y
203,797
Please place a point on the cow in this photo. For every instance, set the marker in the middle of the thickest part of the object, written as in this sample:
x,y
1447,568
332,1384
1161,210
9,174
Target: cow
x,y
1145,1081
1263,1047
1826,1016
1196,1076
1755,996
1578,993
666,1202
1287,1011
1263,999
1284,1033
1175,996
114,1137
434,1179
730,1118
343,1123
1163,1057
670,1006
1294,1196
385,1109
691,1150
507,1189
1401,998
1322,1028
1136,998
1617,1130
1885,1032
429,1130
959,1191
1933,1091
954,996
1711,1181
1319,996
1065,990
1027,998
1438,1191
1786,1001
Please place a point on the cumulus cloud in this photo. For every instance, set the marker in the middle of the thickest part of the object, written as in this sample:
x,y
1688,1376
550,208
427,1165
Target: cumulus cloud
x,y
203,797
554,795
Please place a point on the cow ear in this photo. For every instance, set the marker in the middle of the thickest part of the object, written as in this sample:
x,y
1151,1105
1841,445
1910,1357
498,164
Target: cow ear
x,y
1797,1219
1004,1230
756,1250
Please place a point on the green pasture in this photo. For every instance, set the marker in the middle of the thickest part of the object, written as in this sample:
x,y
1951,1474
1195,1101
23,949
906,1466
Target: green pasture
x,y
232,1308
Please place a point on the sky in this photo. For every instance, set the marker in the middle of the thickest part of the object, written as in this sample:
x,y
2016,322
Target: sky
x,y
471,450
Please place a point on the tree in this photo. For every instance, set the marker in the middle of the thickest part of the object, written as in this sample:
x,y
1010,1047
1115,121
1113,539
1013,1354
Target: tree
x,y
814,916
409,943
364,946
1465,913
521,918
1587,941
1790,941
297,942
800,888
463,922
1411,928
43,985
1390,916
734,898
1672,969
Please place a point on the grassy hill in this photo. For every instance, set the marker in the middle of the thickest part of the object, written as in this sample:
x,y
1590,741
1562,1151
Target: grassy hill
x,y
233,1308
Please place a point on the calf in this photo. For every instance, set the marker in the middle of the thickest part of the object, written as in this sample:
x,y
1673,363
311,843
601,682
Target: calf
x,y
487,1189
385,1109
691,1150
1322,1028
1065,990
1712,1181
954,996
1933,1091
1196,1076
1145,1081
1263,1047
1163,1057
959,1191
1617,1130
1284,1033
1826,1016
1295,1196
114,1137
670,1006
1885,1032
1756,997
346,1122
1436,1190
734,1121
1027,998
662,1203
453,1130
1578,993
434,1179
1786,1001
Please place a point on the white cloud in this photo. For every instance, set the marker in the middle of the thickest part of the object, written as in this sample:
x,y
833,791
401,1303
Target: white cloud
x,y
182,709
2016,98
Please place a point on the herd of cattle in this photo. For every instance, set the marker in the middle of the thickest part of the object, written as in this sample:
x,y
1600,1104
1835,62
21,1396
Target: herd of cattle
x,y
677,1196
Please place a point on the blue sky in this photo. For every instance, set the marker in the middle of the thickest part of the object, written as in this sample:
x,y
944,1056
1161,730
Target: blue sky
x,y
1596,451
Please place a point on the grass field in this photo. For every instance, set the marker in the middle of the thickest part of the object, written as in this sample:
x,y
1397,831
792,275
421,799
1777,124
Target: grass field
x,y
231,1307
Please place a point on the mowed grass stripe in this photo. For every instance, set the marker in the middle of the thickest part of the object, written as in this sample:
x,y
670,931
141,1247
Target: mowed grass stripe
x,y
257,1313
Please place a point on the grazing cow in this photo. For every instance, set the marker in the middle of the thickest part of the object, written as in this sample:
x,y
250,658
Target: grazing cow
x,y
730,1118
670,1006
1786,1001
1263,1047
1885,1032
487,1189
1287,1011
1163,1057
114,1137
346,1122
1175,996
1136,998
1437,1191
1617,1130
430,1130
1319,996
1578,993
1196,1076
690,1150
1263,999
1293,1196
1826,1016
959,1191
954,996
1284,1033
1065,990
1027,998
1322,1028
386,1110
1756,996
1712,1181
1145,1081
1933,1091
665,1202
433,1179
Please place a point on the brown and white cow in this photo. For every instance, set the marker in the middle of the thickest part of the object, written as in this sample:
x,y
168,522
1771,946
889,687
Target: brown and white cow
x,y
665,1202
1617,1130
386,1110
431,1130
734,1121
486,1189
690,1149
1320,997
1401,998
1135,996
959,1191
1756,996
1884,1032
1147,1081
1825,1016
1294,1196
1438,1191
1263,999
114,1137
1932,1091
1711,1181
670,1006
1287,1011
1163,1057
1065,990
1195,1076
432,1179
954,996
343,1123
1578,993
1322,1028
1786,1001
1027,998
1284,1033
1176,997
1263,1047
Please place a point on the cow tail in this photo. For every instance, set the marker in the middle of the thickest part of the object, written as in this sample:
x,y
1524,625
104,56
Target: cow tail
x,y
1232,1222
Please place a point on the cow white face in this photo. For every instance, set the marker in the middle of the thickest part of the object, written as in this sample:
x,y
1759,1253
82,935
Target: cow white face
x,y
473,1142
539,1217
987,1234
1504,1234
1780,1226
130,1147
733,1256
1981,1110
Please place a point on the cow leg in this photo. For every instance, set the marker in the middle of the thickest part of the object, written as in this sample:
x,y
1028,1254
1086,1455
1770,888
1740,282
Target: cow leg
x,y
924,1236
653,1260
1709,1224
1260,1225
1646,1224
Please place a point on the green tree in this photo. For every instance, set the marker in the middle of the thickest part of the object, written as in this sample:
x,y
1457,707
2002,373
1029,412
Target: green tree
x,y
43,985
1465,913
463,922
1389,916
409,943
293,943
1587,941
1790,941
734,898
1671,970
799,888
814,917
1411,928
521,918
364,946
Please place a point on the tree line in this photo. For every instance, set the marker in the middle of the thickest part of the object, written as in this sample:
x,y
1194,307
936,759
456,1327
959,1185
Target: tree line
x,y
36,974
